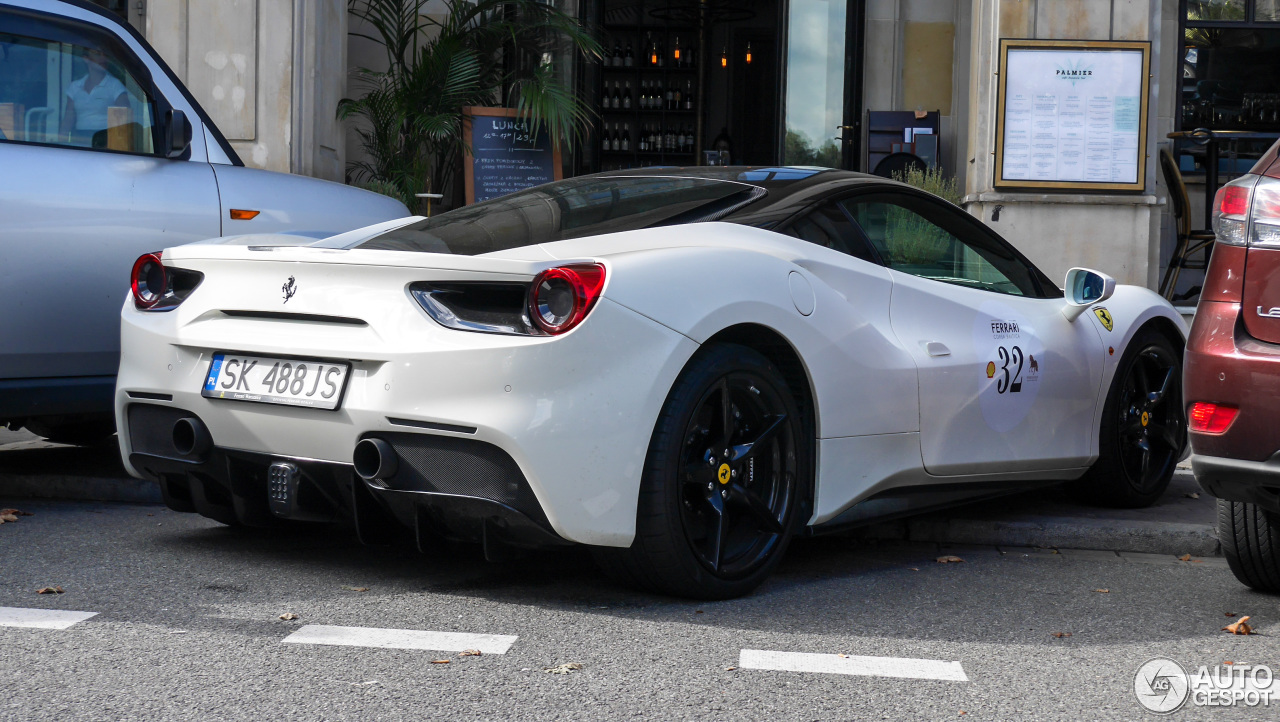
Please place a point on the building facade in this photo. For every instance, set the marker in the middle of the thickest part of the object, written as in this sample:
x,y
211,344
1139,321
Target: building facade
x,y
786,82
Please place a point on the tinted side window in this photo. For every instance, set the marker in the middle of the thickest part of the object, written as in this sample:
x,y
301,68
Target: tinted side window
x,y
69,84
925,239
831,227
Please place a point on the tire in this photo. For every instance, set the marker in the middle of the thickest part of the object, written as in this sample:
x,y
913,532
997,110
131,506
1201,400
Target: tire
x,y
77,431
1250,537
700,533
1143,432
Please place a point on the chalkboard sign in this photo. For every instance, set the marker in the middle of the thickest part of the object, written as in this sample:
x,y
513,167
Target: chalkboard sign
x,y
503,155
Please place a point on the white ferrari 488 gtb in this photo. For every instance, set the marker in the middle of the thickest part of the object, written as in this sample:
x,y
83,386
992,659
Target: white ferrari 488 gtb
x,y
682,368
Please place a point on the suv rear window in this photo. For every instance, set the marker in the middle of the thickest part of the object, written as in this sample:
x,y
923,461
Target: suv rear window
x,y
571,208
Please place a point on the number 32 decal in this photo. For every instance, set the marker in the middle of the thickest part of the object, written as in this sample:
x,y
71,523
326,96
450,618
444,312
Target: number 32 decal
x,y
1011,381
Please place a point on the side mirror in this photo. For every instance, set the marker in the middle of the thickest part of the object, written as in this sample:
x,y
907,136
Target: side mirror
x,y
177,134
1085,288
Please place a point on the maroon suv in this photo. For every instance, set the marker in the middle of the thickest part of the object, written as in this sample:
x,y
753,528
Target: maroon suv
x,y
1232,374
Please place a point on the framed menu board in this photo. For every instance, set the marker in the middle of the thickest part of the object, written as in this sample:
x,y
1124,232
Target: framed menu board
x,y
503,155
1072,114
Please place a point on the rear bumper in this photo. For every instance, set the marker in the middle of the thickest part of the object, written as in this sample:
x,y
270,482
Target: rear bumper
x,y
1225,365
445,487
1256,482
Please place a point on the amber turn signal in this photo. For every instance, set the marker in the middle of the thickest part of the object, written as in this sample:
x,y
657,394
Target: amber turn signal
x,y
242,215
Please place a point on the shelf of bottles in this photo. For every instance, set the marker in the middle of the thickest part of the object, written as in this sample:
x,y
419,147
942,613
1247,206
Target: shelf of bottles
x,y
648,97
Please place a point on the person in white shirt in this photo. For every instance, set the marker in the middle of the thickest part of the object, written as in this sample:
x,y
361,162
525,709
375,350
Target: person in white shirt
x,y
88,99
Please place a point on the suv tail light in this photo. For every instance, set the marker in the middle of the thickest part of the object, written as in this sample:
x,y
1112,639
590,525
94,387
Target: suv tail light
x,y
1246,212
1206,418
157,287
560,298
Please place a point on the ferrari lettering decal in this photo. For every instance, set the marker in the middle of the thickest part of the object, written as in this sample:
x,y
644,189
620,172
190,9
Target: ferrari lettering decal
x,y
1009,356
1105,317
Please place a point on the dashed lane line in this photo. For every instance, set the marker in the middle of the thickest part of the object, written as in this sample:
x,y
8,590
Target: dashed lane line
x,y
401,639
41,618
901,667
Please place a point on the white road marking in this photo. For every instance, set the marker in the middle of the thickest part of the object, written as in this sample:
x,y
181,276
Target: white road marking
x,y
401,639
902,667
41,618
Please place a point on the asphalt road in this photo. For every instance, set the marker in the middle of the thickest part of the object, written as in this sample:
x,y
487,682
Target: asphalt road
x,y
187,627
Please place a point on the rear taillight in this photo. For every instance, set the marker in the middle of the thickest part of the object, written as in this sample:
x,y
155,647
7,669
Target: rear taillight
x,y
157,287
1231,211
1206,418
148,281
560,298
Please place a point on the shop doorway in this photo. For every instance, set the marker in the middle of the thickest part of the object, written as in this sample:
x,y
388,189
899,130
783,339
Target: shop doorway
x,y
742,82
822,113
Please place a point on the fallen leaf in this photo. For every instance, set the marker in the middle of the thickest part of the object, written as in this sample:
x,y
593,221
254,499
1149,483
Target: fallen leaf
x,y
15,512
563,668
49,590
914,569
439,661
698,611
178,631
1193,495
1239,627
962,712
1060,635
842,656
1184,558
1228,662
949,559
729,669
288,616
356,589
8,517
1229,614
469,653
1103,591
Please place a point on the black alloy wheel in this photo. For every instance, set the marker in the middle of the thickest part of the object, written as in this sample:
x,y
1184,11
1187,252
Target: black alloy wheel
x,y
1143,432
738,475
727,466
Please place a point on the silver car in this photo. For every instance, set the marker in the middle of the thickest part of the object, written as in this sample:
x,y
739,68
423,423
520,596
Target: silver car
x,y
105,156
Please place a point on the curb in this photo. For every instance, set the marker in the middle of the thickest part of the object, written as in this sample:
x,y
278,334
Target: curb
x,y
1145,537
80,488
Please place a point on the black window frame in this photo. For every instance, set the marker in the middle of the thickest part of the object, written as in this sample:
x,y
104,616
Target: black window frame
x,y
860,237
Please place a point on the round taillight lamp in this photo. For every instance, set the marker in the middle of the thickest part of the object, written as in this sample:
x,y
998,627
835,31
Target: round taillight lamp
x,y
148,280
560,298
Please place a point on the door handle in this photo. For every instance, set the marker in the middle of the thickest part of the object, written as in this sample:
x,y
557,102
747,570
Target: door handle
x,y
935,348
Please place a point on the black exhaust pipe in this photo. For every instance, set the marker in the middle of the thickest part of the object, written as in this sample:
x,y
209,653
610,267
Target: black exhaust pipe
x,y
374,459
191,437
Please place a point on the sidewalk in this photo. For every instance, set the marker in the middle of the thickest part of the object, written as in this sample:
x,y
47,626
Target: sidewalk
x,y
1177,524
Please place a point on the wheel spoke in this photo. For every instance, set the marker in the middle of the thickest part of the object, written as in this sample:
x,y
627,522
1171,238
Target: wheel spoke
x,y
1146,462
1132,428
720,532
1141,383
757,507
727,425
742,452
1157,396
1166,435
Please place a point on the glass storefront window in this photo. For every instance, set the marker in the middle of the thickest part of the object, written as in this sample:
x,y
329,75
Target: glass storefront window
x,y
1216,10
815,82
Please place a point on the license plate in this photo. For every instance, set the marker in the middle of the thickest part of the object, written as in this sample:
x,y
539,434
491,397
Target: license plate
x,y
292,382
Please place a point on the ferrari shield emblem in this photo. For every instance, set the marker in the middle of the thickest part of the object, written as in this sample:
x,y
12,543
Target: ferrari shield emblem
x,y
1105,317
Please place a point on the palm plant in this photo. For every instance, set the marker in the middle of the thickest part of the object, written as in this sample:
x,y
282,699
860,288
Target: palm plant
x,y
411,112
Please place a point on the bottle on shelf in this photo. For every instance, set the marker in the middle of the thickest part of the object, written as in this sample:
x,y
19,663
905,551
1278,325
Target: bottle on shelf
x,y
626,97
617,96
675,54
688,95
616,59
626,138
628,60
679,100
668,99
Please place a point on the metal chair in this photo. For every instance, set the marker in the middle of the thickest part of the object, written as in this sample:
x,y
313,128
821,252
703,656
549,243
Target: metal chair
x,y
1189,242
897,164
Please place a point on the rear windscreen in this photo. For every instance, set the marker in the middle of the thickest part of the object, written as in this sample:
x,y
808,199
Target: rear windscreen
x,y
572,208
